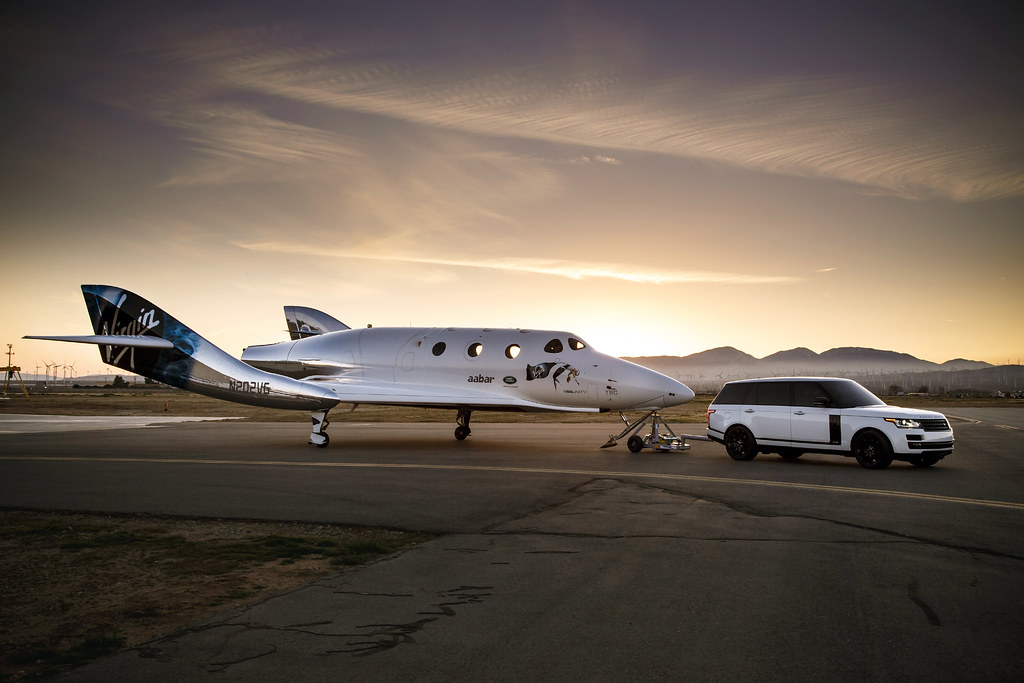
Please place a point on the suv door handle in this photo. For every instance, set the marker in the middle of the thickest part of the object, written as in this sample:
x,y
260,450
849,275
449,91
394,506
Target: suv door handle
x,y
799,412
749,410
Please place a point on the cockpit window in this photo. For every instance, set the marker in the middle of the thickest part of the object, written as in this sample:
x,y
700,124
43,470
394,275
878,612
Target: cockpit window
x,y
438,349
512,351
475,349
576,344
553,346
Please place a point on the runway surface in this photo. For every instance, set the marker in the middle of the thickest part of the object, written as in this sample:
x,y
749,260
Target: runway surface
x,y
12,423
562,561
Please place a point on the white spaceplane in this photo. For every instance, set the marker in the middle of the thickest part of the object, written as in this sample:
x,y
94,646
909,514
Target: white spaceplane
x,y
326,363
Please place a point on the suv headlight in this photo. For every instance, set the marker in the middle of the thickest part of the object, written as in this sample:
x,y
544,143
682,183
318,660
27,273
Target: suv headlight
x,y
904,422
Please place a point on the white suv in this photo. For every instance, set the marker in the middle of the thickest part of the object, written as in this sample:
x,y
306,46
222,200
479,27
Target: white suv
x,y
796,415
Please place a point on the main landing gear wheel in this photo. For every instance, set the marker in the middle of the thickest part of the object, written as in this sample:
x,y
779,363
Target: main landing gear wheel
x,y
320,440
463,430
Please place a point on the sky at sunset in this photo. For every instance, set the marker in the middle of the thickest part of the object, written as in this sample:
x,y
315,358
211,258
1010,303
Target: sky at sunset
x,y
659,178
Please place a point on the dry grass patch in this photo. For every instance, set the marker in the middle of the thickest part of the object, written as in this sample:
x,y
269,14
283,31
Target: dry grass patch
x,y
74,587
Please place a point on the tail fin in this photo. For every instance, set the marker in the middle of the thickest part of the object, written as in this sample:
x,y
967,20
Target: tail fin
x,y
135,335
116,312
309,322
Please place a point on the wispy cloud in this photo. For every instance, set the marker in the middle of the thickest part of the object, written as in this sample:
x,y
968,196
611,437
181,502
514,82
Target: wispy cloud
x,y
239,144
828,128
574,270
596,159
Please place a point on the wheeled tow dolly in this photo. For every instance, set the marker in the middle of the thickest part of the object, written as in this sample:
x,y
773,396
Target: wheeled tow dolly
x,y
655,439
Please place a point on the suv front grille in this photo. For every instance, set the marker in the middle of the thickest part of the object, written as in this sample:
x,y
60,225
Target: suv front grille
x,y
934,425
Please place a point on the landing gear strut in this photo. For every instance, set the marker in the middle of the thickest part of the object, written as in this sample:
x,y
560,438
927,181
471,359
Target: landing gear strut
x,y
319,436
655,440
463,430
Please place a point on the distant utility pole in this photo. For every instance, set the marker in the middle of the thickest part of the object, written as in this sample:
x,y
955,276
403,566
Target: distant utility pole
x,y
12,371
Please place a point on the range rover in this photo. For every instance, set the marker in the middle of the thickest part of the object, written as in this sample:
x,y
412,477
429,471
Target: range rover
x,y
796,415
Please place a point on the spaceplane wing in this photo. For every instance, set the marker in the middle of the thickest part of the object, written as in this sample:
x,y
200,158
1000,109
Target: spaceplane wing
x,y
326,363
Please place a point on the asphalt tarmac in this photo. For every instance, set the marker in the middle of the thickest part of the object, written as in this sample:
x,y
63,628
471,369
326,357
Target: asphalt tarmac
x,y
562,561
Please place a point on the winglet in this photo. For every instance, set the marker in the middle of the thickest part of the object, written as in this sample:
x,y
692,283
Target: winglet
x,y
309,322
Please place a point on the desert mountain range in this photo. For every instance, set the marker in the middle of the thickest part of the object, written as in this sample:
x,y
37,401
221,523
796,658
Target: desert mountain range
x,y
876,369
801,361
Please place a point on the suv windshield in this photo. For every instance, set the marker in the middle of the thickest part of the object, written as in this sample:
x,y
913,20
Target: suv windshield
x,y
851,395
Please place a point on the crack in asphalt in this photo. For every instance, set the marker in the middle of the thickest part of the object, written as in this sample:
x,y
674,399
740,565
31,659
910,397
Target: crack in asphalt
x,y
592,486
929,613
972,550
216,667
384,637
365,640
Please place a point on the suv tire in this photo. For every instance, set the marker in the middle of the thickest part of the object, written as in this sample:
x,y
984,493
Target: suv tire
x,y
872,450
740,443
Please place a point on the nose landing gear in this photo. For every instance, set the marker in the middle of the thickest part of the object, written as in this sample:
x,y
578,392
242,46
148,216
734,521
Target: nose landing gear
x,y
655,439
319,436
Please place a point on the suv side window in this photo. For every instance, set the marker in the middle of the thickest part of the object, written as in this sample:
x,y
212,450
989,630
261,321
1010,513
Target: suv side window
x,y
735,394
773,393
806,393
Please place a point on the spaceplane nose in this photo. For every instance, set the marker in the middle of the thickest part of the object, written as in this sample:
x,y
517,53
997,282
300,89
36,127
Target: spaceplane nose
x,y
677,393
635,387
